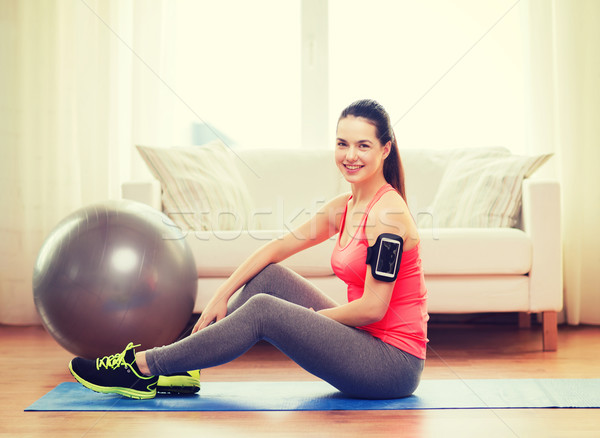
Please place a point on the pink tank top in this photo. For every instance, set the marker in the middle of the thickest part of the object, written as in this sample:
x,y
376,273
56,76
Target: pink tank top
x,y
405,323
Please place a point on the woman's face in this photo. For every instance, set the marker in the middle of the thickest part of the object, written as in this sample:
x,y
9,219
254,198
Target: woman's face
x,y
358,152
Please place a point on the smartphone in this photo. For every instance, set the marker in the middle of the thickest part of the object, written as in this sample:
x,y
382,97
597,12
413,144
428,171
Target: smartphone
x,y
388,257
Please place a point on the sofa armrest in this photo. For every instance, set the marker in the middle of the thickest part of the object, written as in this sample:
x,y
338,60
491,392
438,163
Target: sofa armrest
x,y
147,192
541,215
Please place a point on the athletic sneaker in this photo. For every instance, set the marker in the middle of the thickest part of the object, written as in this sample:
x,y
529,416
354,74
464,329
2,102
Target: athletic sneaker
x,y
116,374
179,383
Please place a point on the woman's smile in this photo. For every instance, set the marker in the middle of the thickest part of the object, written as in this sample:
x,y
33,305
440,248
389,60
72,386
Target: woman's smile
x,y
353,168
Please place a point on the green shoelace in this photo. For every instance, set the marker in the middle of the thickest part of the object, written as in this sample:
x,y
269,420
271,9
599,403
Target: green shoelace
x,y
115,360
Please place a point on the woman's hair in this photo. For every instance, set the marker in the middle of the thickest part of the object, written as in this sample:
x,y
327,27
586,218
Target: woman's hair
x,y
375,113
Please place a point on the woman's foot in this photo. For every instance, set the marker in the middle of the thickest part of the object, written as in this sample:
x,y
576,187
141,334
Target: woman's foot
x,y
116,374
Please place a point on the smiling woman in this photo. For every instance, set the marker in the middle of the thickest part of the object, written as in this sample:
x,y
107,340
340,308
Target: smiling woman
x,y
373,346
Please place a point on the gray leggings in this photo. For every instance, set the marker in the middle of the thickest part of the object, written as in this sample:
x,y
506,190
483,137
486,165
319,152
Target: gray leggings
x,y
274,306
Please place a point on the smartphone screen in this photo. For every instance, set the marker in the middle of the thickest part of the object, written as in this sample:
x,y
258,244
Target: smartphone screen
x,y
387,259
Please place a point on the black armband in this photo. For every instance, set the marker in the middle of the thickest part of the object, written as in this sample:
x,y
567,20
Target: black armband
x,y
385,256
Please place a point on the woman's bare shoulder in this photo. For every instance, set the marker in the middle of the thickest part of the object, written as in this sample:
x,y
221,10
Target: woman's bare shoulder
x,y
390,215
338,202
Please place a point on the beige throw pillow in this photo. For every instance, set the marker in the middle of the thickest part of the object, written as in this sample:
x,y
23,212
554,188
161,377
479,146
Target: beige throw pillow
x,y
201,186
482,191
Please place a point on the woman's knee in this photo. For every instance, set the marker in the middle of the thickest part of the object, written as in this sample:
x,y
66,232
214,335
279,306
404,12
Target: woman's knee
x,y
274,270
261,301
261,283
265,279
261,309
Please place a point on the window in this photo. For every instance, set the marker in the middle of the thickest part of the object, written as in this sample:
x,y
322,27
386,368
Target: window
x,y
238,69
449,73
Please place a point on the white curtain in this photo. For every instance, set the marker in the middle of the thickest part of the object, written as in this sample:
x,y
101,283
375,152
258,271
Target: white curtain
x,y
70,85
564,107
82,81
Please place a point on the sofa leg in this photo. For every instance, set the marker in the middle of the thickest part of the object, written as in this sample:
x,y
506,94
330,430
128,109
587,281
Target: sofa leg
x,y
550,336
524,320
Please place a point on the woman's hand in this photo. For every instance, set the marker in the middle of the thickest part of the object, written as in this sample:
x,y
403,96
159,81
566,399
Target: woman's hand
x,y
215,310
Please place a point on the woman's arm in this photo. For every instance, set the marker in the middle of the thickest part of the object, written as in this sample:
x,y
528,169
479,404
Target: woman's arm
x,y
389,215
324,224
368,309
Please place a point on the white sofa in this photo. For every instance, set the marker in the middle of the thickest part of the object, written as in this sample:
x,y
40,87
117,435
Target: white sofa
x,y
467,269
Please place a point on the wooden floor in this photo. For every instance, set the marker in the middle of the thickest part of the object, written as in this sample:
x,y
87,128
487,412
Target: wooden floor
x,y
32,364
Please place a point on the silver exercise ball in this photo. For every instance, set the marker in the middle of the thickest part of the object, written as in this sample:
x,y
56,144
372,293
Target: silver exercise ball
x,y
114,273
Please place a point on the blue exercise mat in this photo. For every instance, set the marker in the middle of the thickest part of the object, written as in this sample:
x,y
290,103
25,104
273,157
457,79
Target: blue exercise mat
x,y
320,396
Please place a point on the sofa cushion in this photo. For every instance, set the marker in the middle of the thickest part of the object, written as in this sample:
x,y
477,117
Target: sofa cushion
x,y
482,191
452,251
201,187
218,254
477,293
475,251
